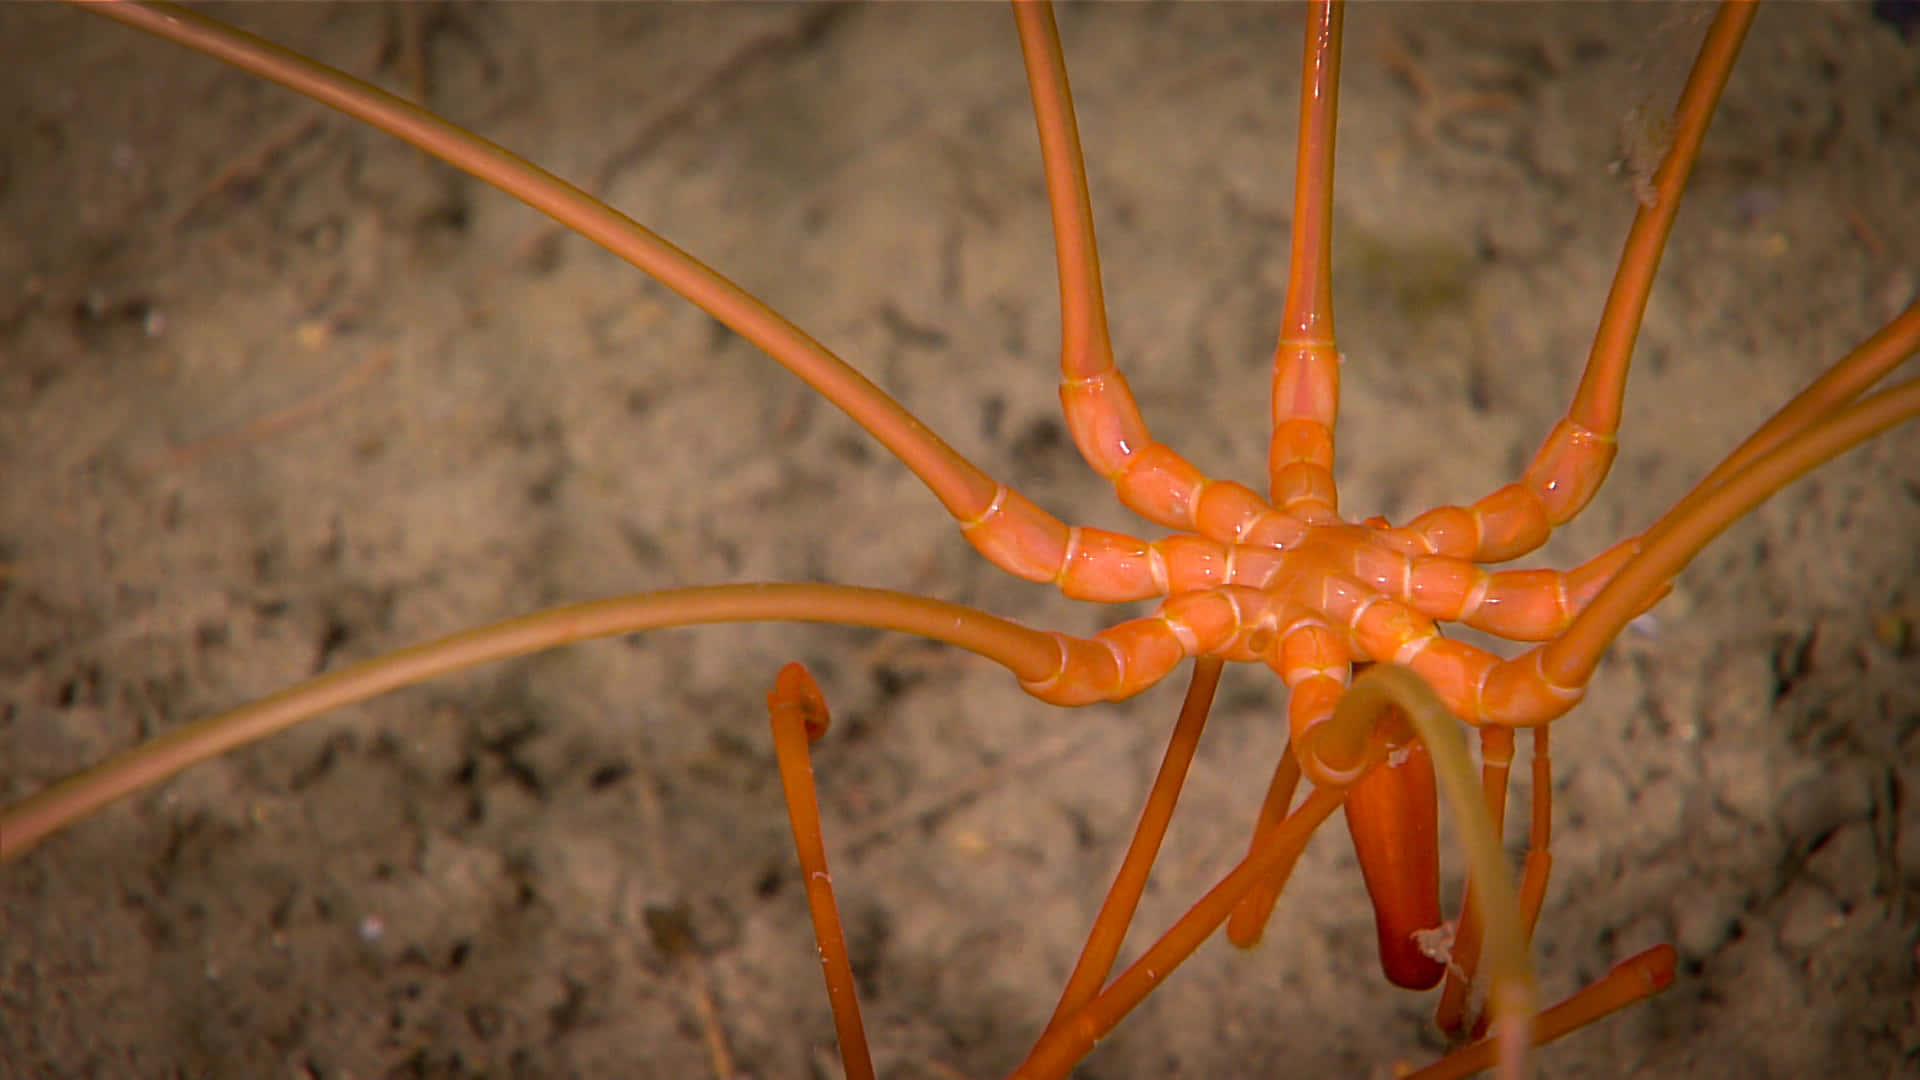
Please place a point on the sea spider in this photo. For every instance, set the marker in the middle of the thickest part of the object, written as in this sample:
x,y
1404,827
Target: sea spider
x,y
479,934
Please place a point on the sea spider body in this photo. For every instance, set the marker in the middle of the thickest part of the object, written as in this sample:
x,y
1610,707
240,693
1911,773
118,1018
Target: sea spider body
x,y
553,814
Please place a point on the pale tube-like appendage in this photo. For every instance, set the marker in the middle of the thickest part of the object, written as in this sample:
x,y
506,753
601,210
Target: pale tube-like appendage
x,y
1508,968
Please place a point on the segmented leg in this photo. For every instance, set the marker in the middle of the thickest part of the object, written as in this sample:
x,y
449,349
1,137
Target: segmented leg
x,y
1306,363
1570,465
1150,477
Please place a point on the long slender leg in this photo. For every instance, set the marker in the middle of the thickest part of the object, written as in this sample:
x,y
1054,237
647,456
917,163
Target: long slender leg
x,y
1306,363
1150,478
1539,865
1570,659
1838,386
1063,1046
1249,920
1123,898
1005,526
1573,461
1391,813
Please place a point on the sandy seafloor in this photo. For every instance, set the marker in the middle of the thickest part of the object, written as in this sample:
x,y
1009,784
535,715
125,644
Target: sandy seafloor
x,y
577,865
